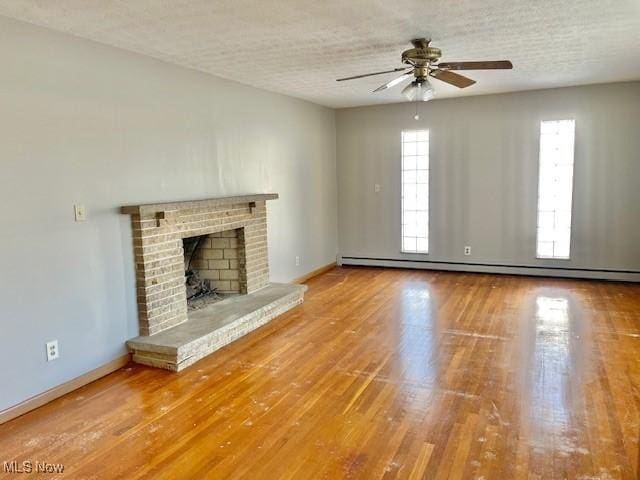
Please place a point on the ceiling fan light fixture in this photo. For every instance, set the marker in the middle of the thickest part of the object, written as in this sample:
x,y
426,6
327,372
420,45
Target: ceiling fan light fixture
x,y
418,91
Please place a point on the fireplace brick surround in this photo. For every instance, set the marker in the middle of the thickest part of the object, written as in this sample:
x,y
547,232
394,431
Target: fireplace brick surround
x,y
170,336
158,231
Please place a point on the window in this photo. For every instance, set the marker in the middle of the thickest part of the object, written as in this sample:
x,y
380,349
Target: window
x,y
415,191
555,188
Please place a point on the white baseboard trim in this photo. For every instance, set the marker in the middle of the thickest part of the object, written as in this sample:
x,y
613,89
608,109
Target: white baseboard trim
x,y
314,273
56,392
595,274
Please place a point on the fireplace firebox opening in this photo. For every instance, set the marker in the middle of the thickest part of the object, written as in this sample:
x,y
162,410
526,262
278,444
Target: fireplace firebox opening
x,y
214,267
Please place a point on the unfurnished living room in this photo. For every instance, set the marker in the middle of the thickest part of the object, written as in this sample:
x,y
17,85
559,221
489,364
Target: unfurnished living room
x,y
295,239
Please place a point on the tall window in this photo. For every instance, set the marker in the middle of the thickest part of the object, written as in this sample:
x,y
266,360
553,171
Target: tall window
x,y
415,191
555,188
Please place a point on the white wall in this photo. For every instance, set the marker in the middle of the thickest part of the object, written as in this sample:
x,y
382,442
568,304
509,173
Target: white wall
x,y
86,123
484,159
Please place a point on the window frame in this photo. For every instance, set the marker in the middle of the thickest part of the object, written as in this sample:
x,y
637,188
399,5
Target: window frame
x,y
539,256
402,191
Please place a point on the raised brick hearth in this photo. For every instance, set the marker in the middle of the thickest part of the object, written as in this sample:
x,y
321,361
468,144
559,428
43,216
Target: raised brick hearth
x,y
237,232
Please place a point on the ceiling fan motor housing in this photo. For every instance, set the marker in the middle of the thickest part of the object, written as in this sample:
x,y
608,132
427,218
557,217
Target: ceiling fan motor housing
x,y
421,56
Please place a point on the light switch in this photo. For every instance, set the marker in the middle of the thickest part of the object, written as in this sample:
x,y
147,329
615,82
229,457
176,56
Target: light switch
x,y
376,188
81,213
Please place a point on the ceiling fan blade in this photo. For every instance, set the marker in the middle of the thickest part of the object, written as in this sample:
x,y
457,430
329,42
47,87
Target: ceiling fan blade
x,y
394,82
455,79
487,65
371,74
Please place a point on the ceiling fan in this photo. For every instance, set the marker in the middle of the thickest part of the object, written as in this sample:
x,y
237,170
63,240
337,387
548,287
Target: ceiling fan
x,y
423,61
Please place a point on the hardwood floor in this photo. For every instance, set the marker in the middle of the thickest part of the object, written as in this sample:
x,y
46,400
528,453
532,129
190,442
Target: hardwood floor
x,y
380,374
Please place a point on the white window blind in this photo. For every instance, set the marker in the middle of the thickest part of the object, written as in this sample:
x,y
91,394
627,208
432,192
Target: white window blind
x,y
415,191
555,188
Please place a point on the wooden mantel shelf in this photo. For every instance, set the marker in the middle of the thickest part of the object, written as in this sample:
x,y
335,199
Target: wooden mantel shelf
x,y
151,209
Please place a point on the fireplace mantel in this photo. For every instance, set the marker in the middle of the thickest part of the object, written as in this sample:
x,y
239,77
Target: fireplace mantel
x,y
151,209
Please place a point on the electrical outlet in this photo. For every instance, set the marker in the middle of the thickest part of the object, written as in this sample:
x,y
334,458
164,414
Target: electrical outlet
x,y
80,212
297,261
467,250
52,350
376,188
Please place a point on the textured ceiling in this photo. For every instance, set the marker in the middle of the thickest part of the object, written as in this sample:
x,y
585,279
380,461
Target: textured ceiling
x,y
299,47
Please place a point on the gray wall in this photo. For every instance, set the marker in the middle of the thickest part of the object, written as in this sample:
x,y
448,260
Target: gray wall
x,y
484,157
86,123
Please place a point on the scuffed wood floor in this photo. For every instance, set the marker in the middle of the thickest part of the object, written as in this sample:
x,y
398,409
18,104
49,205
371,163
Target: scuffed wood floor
x,y
380,374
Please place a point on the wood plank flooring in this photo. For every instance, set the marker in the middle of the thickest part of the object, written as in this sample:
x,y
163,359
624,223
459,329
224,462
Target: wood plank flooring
x,y
380,374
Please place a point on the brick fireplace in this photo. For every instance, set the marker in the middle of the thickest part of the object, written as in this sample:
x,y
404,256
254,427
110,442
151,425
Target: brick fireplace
x,y
231,235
